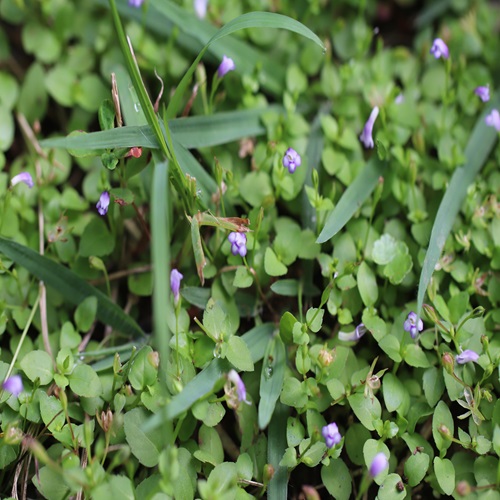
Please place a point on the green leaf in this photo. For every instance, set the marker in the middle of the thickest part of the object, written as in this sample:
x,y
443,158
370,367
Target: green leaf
x,y
389,489
272,265
51,411
395,393
416,467
271,379
38,365
352,199
367,284
96,239
243,278
143,372
85,382
480,144
415,356
210,446
85,313
145,445
433,385
445,474
367,409
238,354
69,285
114,487
337,479
287,288
442,417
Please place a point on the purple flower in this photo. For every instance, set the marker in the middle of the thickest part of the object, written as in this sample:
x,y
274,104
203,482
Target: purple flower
x,y
467,356
22,177
493,119
439,49
135,3
355,335
200,7
175,283
103,203
291,160
483,93
225,66
411,325
366,136
379,464
238,243
331,434
14,385
241,391
400,98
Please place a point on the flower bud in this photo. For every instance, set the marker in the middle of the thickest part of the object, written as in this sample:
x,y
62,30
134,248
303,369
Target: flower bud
x,y
310,493
326,357
445,432
463,488
448,362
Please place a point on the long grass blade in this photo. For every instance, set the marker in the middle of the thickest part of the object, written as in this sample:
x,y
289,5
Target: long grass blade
x,y
355,195
271,379
276,446
190,132
71,287
480,144
251,20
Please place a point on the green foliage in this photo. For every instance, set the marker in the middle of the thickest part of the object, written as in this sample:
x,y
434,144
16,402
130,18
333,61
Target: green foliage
x,y
250,361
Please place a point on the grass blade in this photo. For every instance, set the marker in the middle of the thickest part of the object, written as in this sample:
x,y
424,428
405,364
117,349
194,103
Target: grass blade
x,y
276,446
190,132
478,148
251,20
271,379
354,196
69,285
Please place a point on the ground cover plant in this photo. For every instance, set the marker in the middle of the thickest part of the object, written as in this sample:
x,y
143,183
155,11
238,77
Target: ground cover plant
x,y
249,249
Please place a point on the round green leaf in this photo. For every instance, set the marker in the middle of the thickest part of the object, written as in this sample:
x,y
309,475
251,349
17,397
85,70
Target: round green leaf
x,y
84,381
272,265
96,239
337,479
442,417
416,467
38,365
392,488
445,474
366,409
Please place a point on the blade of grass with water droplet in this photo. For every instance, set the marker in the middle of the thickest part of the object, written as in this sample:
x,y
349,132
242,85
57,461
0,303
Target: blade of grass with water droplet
x,y
276,446
271,379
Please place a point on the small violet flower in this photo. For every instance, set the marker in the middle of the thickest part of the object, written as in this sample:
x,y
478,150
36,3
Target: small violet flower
x,y
400,98
241,391
135,3
355,335
225,66
366,136
200,7
412,326
175,284
103,203
439,49
493,119
22,177
331,434
379,464
14,385
483,93
238,243
467,356
291,160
